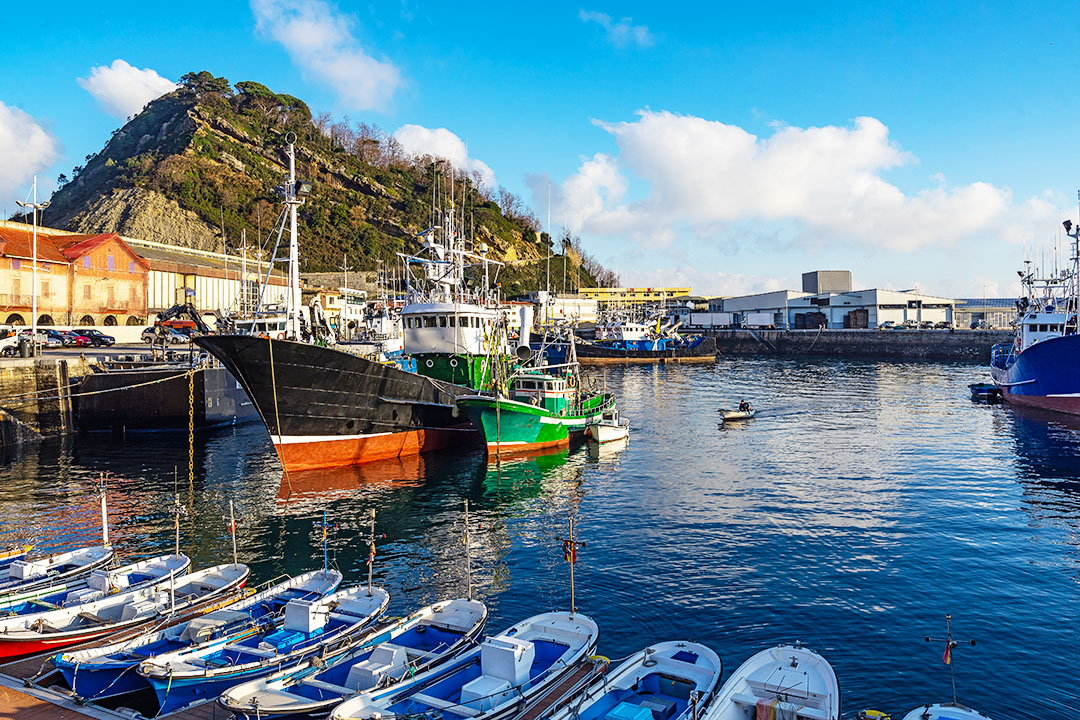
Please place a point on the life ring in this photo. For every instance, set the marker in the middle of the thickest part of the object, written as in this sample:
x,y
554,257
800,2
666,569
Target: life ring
x,y
281,336
571,382
453,362
429,363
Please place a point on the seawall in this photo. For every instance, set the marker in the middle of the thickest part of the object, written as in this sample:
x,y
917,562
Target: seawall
x,y
967,345
35,398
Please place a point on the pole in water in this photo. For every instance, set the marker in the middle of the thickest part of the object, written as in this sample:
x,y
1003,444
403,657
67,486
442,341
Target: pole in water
x,y
104,515
950,644
569,548
325,530
371,551
468,554
232,529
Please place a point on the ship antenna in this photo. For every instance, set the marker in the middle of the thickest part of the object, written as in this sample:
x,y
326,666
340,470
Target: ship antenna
x,y
950,644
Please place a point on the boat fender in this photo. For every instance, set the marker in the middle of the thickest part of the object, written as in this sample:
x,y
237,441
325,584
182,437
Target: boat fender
x,y
429,362
455,412
872,715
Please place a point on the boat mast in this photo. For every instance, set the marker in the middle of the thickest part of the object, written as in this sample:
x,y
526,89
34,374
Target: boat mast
x,y
950,645
294,199
569,548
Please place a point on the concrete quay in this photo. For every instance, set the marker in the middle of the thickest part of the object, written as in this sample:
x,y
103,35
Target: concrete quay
x,y
963,345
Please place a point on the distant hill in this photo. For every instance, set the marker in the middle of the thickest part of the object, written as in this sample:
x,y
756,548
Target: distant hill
x,y
207,157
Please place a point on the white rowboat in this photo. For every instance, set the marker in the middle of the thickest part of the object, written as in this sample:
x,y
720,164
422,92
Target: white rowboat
x,y
786,681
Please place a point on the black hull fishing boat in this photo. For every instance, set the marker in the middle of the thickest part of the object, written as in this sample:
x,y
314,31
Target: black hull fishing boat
x,y
328,408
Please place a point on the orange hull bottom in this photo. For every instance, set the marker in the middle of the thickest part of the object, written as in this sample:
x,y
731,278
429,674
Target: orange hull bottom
x,y
297,456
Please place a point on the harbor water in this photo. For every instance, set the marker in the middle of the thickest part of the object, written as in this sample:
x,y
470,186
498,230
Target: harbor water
x,y
863,503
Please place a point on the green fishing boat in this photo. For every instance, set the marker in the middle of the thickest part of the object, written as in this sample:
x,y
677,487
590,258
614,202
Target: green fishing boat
x,y
542,409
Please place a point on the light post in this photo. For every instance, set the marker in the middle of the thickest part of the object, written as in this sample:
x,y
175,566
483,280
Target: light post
x,y
37,207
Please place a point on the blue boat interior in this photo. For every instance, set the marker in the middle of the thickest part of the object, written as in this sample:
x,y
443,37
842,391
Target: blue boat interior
x,y
420,643
653,697
471,686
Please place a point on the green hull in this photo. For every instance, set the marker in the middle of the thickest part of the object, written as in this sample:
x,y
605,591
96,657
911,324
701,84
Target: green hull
x,y
509,426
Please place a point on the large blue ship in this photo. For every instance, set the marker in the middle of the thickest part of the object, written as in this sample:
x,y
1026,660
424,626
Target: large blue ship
x,y
1041,366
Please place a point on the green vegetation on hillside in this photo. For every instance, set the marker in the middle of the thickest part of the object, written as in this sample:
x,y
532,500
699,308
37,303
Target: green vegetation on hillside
x,y
217,150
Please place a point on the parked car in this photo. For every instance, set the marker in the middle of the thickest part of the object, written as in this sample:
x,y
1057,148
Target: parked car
x,y
943,325
150,336
44,338
74,339
96,337
887,324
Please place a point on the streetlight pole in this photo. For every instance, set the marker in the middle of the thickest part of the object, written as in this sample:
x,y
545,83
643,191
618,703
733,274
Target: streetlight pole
x,y
37,207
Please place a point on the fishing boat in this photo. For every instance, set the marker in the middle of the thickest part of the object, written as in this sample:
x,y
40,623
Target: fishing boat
x,y
945,711
786,681
380,658
609,428
494,681
730,415
305,628
671,680
12,553
110,670
26,575
329,406
537,406
97,584
1041,366
56,629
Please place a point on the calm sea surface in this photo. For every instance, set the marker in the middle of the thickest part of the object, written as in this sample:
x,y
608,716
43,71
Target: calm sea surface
x,y
865,502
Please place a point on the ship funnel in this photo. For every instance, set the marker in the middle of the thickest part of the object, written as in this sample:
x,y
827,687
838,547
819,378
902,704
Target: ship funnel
x,y
524,353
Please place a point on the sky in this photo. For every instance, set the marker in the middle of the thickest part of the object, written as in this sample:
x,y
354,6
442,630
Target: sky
x,y
729,147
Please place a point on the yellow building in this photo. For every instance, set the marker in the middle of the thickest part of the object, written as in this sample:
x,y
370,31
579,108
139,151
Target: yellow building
x,y
607,297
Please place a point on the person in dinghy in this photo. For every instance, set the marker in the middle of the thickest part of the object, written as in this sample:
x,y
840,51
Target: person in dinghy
x,y
744,406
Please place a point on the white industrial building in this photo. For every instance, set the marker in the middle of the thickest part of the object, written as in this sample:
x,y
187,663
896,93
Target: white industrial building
x,y
825,301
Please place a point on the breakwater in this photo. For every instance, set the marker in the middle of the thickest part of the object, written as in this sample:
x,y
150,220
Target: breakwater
x,y
35,398
972,345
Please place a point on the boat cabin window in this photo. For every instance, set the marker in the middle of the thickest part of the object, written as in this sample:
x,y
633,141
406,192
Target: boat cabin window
x,y
442,321
527,385
429,321
453,321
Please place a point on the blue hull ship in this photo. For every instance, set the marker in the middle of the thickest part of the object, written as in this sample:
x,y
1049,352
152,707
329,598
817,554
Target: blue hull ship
x,y
1040,368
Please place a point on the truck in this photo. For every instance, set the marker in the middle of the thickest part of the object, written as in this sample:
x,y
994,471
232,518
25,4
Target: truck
x,y
760,320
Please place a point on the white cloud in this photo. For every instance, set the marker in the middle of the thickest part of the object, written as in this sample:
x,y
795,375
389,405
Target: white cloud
x,y
440,142
122,89
623,33
320,40
818,186
27,148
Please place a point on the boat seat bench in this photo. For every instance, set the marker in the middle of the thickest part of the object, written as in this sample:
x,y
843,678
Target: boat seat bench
x,y
250,650
440,704
328,687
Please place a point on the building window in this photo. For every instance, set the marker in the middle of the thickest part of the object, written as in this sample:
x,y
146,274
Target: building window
x,y
112,297
112,263
45,288
16,264
16,289
86,262
131,266
86,292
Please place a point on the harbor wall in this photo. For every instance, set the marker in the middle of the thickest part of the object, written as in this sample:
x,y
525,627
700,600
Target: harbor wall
x,y
35,398
966,345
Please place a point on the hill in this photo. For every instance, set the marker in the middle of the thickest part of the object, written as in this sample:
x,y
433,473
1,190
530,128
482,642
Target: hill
x,y
199,166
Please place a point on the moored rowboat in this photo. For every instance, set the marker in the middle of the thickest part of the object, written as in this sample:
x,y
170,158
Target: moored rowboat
x,y
945,711
24,575
379,658
786,681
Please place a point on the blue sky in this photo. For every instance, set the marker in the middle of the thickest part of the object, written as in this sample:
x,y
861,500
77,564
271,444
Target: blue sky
x,y
730,147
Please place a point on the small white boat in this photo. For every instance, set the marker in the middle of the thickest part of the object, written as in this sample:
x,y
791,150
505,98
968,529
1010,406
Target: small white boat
x,y
58,629
672,680
787,681
378,659
96,585
24,575
493,681
728,415
608,428
945,711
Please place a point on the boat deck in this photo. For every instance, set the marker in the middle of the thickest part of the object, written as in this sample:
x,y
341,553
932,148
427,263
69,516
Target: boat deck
x,y
33,688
